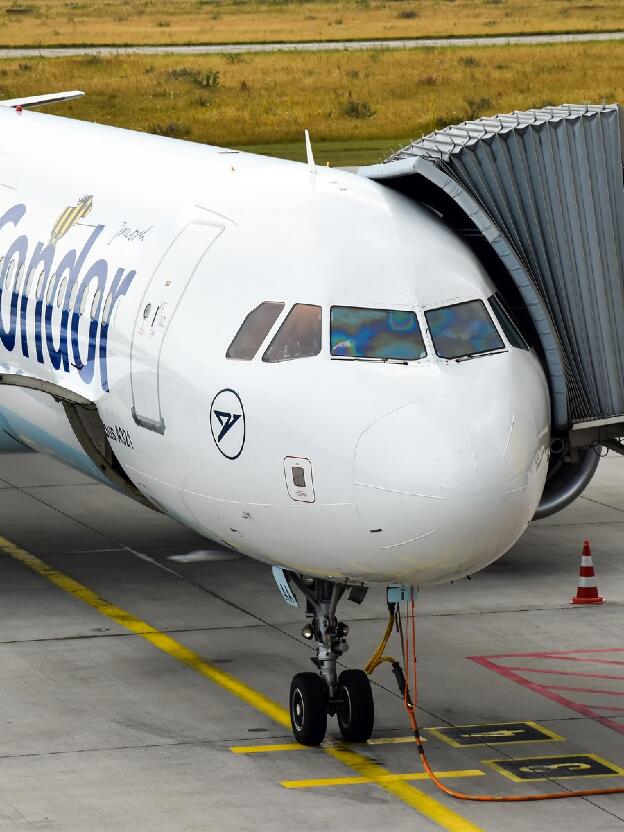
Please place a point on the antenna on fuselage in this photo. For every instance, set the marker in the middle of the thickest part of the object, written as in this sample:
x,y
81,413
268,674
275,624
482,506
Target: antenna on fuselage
x,y
309,154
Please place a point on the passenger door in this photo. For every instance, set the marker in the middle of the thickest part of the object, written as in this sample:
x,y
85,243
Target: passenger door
x,y
156,310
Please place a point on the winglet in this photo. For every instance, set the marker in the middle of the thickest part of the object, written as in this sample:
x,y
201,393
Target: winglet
x,y
41,100
309,153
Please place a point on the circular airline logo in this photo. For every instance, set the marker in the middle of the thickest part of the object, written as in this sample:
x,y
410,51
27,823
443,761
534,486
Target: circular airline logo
x,y
227,423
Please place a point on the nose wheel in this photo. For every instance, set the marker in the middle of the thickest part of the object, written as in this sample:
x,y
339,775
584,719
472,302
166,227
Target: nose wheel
x,y
356,711
308,708
314,696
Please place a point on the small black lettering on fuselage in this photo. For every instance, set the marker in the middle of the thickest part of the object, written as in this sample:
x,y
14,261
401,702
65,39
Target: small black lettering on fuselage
x,y
116,434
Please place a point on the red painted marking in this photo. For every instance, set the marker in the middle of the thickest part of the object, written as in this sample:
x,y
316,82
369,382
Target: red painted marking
x,y
585,690
577,659
556,654
564,672
514,672
609,708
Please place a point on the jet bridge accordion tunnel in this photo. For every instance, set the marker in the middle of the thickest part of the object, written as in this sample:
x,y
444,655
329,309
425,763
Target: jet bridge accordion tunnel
x,y
539,197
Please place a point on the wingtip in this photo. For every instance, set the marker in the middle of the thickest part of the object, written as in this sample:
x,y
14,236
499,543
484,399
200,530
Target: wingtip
x,y
42,100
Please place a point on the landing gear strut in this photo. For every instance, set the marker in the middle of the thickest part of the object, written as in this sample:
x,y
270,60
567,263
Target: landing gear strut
x,y
314,696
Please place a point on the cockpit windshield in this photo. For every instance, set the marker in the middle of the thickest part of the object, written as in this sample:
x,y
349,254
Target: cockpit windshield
x,y
462,330
254,330
298,337
515,338
388,334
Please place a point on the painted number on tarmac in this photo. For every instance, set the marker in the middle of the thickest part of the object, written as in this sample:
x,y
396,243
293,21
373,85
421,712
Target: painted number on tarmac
x,y
555,768
494,734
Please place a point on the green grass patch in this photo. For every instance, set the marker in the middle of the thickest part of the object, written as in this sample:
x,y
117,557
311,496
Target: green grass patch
x,y
362,96
117,22
336,154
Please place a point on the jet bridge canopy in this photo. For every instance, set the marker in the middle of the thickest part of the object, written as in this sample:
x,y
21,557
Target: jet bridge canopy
x,y
545,189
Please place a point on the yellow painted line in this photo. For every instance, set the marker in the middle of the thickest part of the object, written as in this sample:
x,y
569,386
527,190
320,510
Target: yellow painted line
x,y
155,637
259,749
428,806
386,778
392,740
295,746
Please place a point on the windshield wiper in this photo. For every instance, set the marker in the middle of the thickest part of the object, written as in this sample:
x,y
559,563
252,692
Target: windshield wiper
x,y
479,354
374,358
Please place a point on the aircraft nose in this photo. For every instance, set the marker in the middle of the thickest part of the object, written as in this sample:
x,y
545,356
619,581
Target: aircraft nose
x,y
442,489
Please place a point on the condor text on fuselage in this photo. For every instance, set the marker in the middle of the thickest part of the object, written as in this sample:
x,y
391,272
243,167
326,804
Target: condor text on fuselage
x,y
39,274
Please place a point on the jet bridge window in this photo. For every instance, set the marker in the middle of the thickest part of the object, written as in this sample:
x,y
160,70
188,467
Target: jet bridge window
x,y
254,330
357,332
298,337
511,331
463,329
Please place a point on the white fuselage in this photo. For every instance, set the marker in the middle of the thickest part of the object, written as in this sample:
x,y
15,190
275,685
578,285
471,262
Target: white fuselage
x,y
419,471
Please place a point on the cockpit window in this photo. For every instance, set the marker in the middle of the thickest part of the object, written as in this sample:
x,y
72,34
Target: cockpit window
x,y
506,323
254,330
298,337
463,329
375,333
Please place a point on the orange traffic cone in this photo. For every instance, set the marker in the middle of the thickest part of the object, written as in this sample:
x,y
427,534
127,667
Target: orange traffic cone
x,y
587,591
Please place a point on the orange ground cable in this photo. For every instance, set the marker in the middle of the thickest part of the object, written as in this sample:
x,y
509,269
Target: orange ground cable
x,y
409,656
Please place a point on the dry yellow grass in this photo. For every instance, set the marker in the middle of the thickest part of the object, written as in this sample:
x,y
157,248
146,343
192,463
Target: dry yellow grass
x,y
40,22
338,96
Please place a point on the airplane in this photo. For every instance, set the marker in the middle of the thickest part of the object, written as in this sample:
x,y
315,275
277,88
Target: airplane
x,y
297,362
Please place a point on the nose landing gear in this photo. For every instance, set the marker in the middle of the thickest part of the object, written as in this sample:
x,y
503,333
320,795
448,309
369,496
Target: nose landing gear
x,y
315,696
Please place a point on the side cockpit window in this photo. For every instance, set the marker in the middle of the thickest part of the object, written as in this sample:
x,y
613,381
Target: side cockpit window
x,y
462,330
254,330
510,330
387,334
298,337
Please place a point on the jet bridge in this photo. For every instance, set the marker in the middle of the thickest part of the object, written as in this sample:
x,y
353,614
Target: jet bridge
x,y
540,197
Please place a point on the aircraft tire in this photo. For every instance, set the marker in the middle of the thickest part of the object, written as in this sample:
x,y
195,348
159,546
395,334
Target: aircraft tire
x,y
308,708
356,714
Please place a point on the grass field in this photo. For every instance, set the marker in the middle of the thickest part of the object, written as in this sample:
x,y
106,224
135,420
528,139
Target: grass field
x,y
372,100
336,153
48,22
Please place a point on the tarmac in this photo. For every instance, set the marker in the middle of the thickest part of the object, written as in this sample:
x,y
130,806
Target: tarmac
x,y
307,46
145,673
